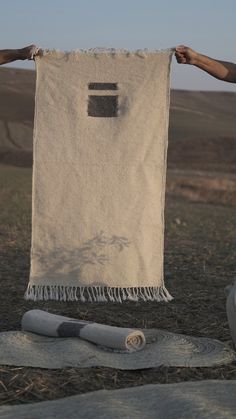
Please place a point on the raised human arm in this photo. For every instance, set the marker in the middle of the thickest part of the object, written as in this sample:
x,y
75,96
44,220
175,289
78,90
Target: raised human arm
x,y
221,70
9,55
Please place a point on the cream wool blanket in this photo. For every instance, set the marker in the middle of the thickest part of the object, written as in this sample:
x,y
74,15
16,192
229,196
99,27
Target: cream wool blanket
x,y
48,324
100,146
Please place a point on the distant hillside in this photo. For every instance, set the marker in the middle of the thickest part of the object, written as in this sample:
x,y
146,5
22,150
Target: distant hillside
x,y
202,114
202,125
16,115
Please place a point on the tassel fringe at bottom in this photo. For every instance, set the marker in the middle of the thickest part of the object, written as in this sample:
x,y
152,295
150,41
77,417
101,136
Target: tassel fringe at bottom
x,y
96,294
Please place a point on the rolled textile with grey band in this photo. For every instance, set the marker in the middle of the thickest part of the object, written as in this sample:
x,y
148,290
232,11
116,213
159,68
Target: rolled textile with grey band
x,y
48,324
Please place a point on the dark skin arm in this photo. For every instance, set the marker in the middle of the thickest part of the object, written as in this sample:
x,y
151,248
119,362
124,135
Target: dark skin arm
x,y
9,55
221,70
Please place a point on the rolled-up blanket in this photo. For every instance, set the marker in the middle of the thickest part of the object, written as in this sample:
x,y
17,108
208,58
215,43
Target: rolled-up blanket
x,y
48,324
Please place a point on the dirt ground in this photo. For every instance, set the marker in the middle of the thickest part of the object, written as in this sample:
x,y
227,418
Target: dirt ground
x,y
200,260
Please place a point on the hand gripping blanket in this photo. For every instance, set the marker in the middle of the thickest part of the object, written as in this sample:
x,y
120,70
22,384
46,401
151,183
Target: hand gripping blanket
x,y
100,146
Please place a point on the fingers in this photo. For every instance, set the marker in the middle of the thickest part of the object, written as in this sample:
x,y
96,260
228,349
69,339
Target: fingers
x,y
185,55
27,53
34,51
181,48
181,54
181,59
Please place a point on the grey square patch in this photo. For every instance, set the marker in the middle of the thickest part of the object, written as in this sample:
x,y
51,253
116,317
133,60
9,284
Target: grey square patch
x,y
103,106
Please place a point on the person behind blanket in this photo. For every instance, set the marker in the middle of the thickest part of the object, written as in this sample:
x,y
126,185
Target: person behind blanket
x,y
26,53
224,71
221,70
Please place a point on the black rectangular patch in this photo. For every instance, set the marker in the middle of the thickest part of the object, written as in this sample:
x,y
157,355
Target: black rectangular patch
x,y
102,86
70,328
103,106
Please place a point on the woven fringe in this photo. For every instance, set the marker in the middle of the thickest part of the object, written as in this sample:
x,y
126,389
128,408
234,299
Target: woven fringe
x,y
96,294
142,53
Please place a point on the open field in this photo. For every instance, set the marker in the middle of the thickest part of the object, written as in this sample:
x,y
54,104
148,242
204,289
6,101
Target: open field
x,y
202,137
200,255
202,125
200,241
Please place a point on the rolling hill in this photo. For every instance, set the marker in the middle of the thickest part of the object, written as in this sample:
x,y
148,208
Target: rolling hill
x,y
202,136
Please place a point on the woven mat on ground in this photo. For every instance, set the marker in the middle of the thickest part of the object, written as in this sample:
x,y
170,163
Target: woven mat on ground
x,y
210,399
162,348
100,149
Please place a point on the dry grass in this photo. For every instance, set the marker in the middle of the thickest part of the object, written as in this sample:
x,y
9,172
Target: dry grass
x,y
216,188
25,385
200,259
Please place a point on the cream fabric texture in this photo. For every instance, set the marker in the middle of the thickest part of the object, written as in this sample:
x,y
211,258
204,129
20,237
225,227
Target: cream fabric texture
x,y
100,146
49,324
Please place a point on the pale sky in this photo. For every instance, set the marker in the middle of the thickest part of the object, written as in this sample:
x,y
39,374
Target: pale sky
x,y
206,26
